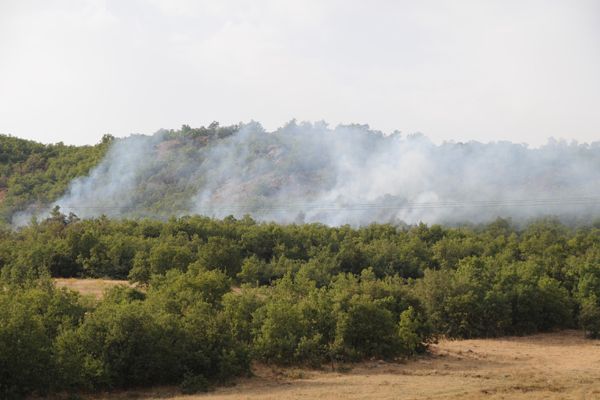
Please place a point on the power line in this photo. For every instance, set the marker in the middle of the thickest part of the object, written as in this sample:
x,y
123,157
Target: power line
x,y
384,205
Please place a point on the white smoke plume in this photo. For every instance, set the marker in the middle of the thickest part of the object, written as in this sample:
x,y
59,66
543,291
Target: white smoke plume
x,y
345,175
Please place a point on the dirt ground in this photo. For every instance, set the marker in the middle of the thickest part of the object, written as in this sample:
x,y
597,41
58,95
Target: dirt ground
x,y
560,365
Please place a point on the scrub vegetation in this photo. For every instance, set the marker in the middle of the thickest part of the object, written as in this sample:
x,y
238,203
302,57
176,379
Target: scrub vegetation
x,y
212,296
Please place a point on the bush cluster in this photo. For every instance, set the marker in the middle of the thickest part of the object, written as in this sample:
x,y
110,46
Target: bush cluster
x,y
211,296
189,329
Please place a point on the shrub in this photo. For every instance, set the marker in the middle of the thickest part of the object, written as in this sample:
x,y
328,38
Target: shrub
x,y
192,384
589,317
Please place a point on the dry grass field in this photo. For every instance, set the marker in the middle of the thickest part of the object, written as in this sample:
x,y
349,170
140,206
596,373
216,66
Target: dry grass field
x,y
94,287
560,365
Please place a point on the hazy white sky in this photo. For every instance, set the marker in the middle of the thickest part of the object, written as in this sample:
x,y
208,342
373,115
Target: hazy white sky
x,y
522,70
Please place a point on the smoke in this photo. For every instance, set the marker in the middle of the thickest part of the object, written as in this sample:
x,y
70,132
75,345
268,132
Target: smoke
x,y
345,175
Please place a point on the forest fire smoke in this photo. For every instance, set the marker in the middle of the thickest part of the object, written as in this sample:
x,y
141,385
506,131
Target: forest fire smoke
x,y
306,172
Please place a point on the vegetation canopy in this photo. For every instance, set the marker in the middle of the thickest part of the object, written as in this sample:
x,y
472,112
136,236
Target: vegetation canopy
x,y
212,295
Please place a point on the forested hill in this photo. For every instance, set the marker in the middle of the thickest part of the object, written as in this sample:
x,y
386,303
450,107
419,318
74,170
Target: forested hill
x,y
33,173
301,172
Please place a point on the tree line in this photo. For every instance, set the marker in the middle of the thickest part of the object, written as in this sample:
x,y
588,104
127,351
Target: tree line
x,y
210,296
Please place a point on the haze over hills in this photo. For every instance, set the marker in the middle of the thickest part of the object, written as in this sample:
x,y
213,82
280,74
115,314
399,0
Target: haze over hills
x,y
186,260
309,172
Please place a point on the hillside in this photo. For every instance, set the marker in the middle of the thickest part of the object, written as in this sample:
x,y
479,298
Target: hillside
x,y
349,174
210,298
35,174
300,173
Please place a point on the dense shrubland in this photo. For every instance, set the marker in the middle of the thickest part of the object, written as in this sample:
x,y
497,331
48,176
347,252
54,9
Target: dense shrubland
x,y
211,295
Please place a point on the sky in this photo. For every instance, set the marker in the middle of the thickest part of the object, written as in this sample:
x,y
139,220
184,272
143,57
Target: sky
x,y
454,70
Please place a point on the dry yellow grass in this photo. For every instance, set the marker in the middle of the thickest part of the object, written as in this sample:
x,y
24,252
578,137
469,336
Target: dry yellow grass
x,y
93,287
546,366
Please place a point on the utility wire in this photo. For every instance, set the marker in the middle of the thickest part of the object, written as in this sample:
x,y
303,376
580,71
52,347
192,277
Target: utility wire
x,y
384,205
